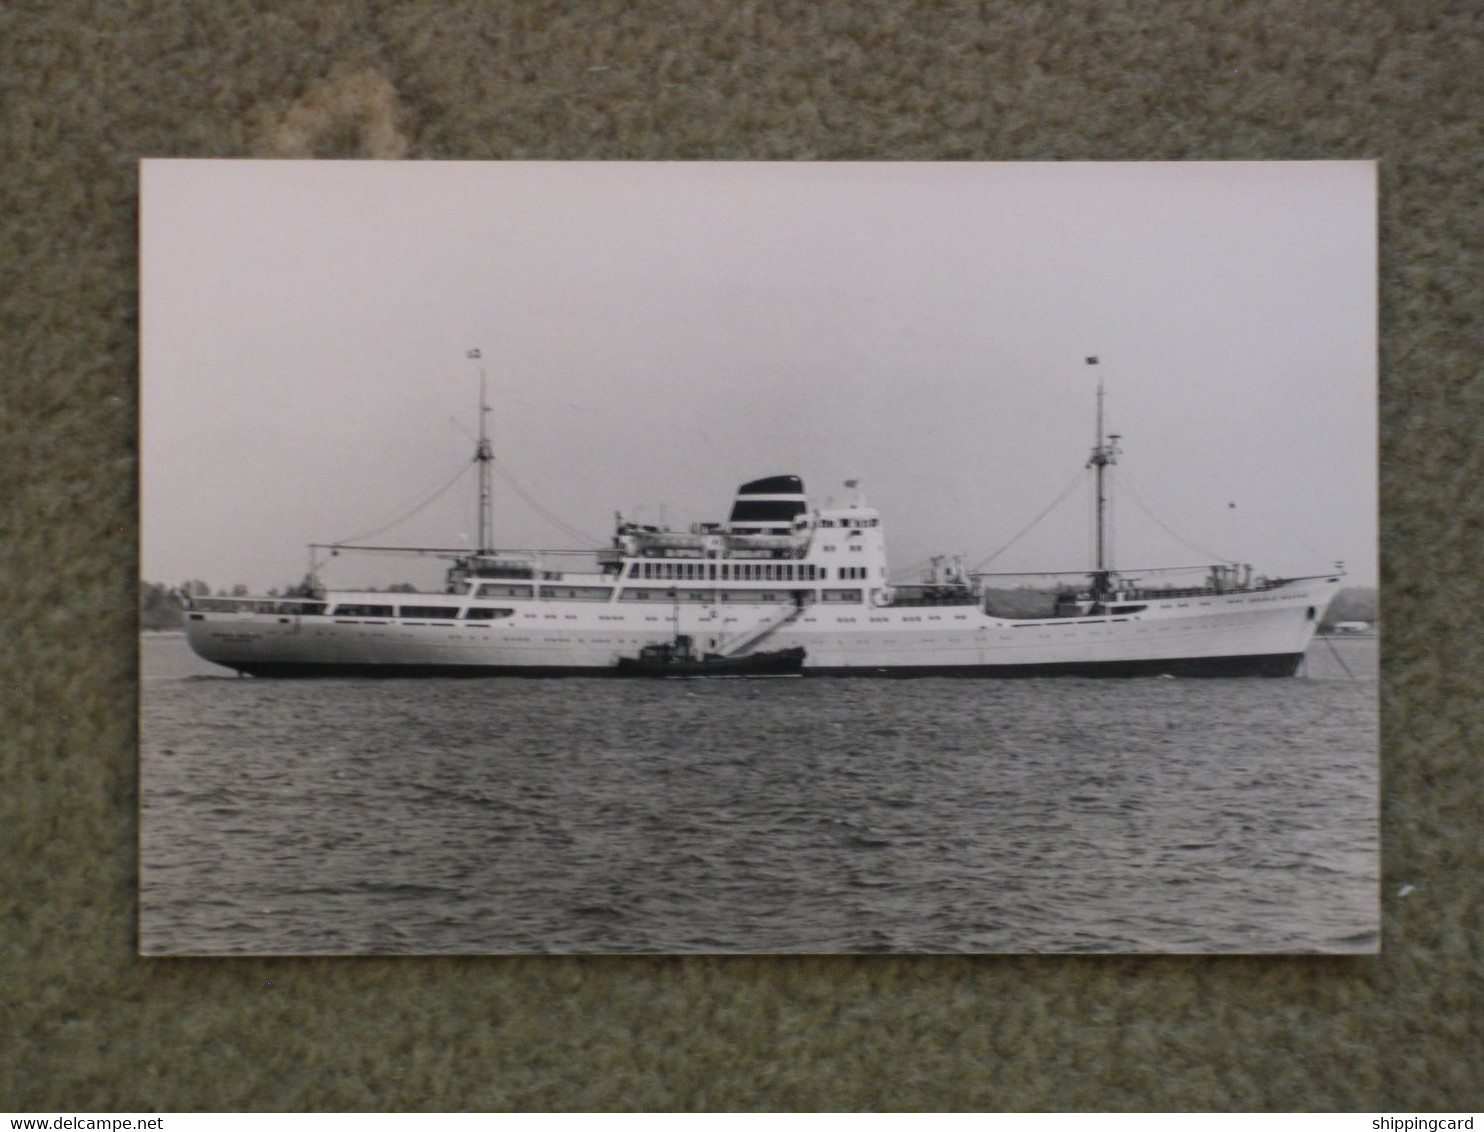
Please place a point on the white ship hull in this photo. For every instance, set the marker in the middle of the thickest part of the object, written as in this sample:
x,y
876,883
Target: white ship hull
x,y
1250,632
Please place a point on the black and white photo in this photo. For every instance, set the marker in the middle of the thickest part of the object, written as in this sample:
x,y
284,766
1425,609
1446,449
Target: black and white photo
x,y
625,557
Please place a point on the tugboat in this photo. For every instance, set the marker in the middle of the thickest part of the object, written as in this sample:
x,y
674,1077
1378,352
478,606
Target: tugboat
x,y
679,658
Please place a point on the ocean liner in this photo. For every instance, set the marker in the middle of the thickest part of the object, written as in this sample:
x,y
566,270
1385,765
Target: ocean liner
x,y
777,577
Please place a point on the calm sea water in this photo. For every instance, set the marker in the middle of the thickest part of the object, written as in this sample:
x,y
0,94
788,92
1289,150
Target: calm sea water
x,y
482,816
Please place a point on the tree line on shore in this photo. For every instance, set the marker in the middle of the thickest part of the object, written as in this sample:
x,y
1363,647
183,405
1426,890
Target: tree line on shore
x,y
1353,603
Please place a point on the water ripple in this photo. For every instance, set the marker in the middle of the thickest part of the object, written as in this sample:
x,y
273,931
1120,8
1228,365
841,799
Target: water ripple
x,y
755,816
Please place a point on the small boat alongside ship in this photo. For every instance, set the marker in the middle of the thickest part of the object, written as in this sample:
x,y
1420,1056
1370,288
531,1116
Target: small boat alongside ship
x,y
678,659
779,588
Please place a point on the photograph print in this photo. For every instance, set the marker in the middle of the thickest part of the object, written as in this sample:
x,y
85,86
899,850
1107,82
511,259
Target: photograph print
x,y
547,557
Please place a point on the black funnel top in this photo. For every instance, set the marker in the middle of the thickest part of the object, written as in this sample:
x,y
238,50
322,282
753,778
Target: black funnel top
x,y
773,485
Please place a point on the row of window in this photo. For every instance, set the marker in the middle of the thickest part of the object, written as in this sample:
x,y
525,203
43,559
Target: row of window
x,y
706,596
726,571
420,612
676,571
549,592
477,613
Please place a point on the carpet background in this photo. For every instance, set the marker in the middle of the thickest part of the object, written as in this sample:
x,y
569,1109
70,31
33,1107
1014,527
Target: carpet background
x,y
87,89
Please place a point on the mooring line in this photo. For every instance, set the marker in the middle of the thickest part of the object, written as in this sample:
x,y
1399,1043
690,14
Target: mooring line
x,y
1337,656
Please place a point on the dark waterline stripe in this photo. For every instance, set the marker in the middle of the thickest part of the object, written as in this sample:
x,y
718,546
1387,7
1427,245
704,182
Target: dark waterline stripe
x,y
1270,664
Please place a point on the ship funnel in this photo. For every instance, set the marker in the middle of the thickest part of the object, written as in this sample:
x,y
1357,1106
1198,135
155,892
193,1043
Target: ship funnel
x,y
767,506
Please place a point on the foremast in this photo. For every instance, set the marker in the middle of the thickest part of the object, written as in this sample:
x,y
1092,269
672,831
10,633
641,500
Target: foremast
x,y
1105,453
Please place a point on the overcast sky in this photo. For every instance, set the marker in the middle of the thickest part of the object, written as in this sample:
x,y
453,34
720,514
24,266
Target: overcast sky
x,y
655,334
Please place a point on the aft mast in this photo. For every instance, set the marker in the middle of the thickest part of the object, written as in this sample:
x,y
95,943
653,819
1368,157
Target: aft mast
x,y
484,456
1105,452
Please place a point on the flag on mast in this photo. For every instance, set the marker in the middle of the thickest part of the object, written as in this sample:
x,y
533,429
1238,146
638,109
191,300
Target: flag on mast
x,y
1092,361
